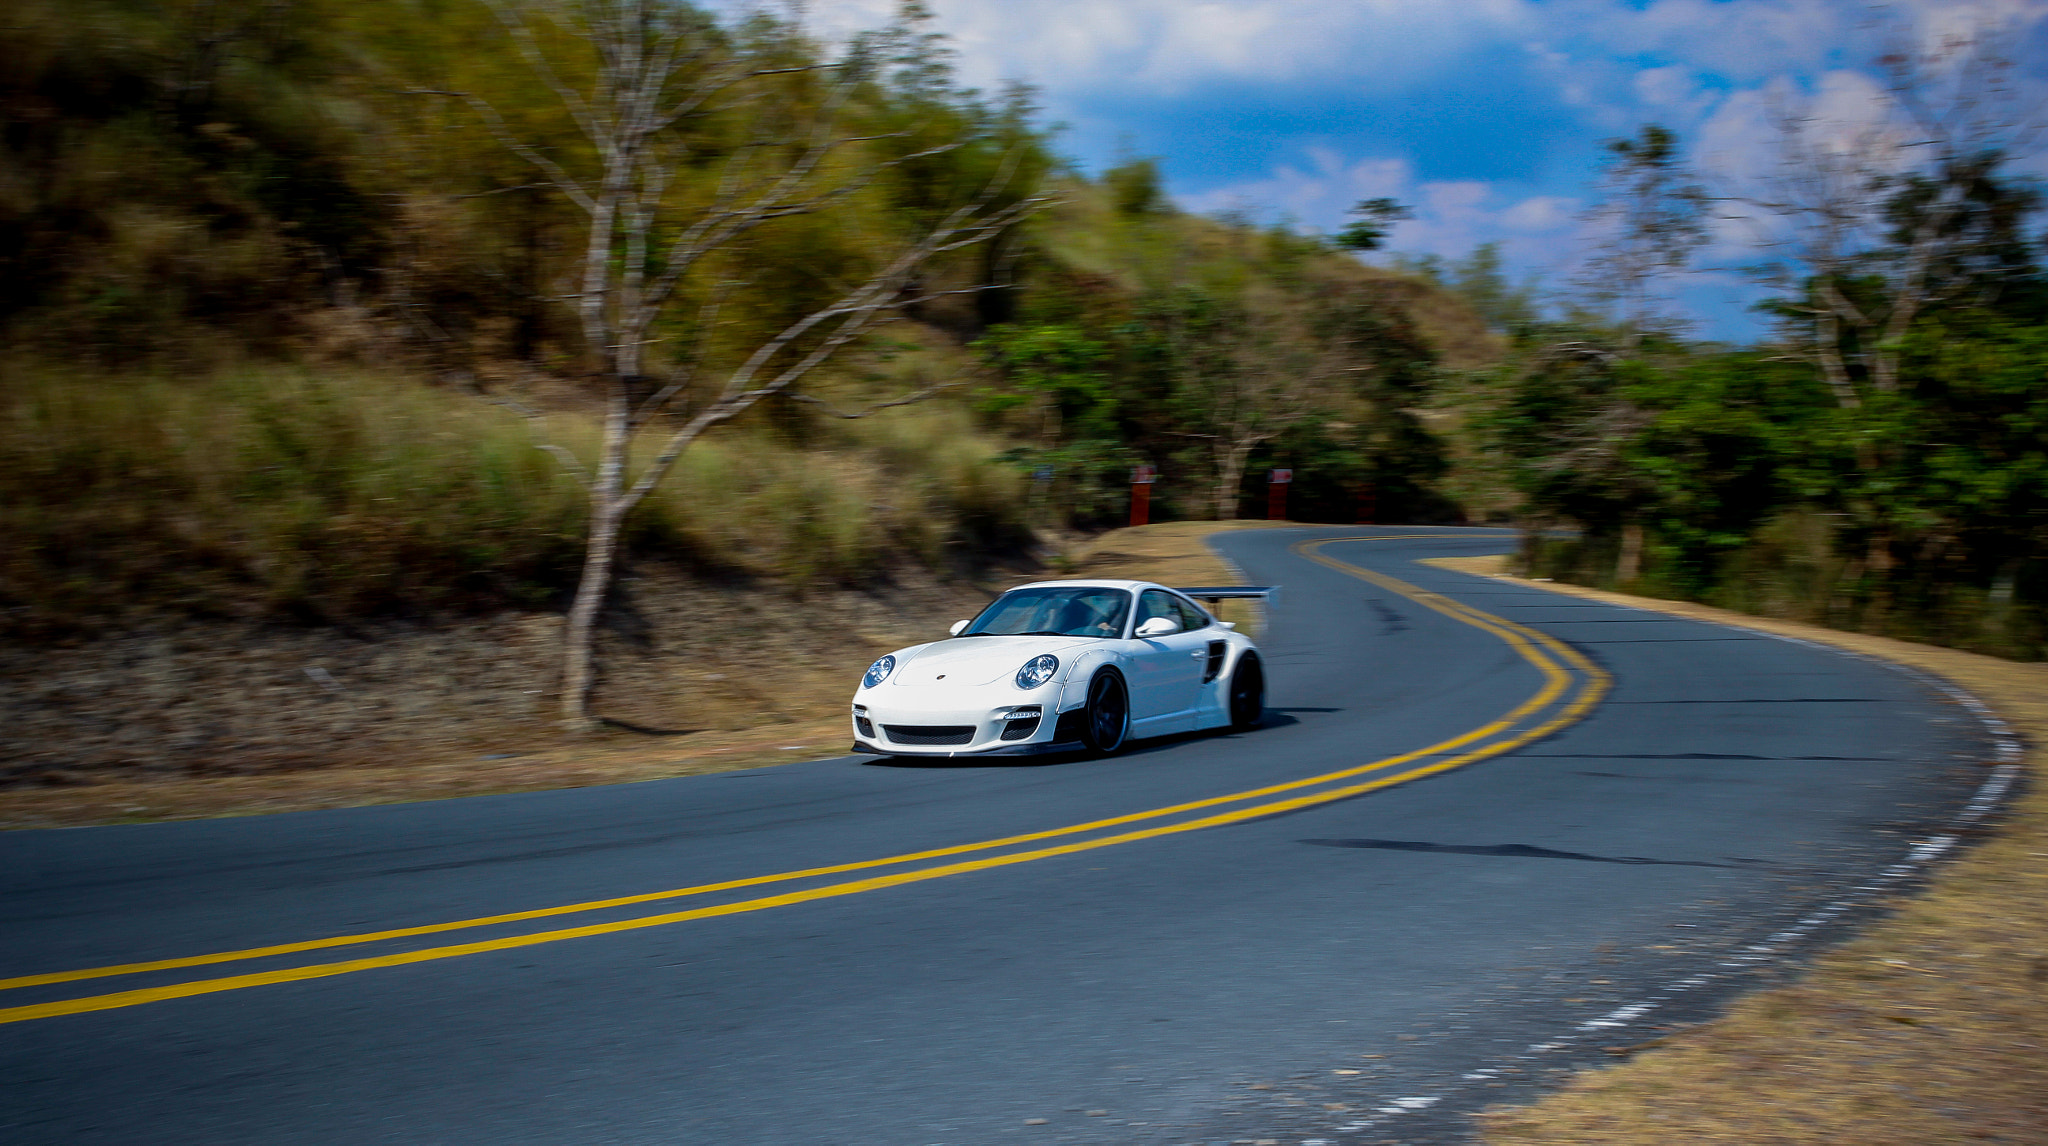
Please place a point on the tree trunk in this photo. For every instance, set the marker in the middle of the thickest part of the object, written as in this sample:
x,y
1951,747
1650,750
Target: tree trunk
x,y
609,503
1229,476
577,662
1631,564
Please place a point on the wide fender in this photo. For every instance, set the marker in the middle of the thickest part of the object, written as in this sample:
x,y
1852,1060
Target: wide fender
x,y
1237,647
1082,670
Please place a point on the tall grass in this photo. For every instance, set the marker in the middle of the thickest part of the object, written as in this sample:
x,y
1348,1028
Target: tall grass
x,y
1798,566
333,495
916,483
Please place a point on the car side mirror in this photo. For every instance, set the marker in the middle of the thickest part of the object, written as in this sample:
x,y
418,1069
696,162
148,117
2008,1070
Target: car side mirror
x,y
1157,627
957,626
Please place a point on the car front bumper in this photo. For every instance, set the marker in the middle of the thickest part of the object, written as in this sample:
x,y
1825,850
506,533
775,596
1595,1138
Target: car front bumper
x,y
1013,749
965,730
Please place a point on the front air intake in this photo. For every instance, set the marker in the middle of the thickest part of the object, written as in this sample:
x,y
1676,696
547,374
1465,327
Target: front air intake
x,y
929,735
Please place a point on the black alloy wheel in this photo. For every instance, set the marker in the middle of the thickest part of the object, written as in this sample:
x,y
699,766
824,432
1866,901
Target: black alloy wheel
x,y
1109,714
1247,694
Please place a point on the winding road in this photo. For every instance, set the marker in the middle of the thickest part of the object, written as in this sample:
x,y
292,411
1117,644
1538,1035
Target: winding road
x,y
1487,833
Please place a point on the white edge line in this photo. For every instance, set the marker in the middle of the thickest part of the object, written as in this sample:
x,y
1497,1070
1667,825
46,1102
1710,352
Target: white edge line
x,y
1990,795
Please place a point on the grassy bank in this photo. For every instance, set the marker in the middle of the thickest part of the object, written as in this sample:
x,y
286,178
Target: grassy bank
x,y
1927,1028
337,495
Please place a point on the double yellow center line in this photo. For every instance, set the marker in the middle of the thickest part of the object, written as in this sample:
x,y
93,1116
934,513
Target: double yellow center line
x,y
1559,664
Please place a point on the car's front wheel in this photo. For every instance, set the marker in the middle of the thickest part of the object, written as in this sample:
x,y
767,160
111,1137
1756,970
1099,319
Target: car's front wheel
x,y
1109,714
1247,693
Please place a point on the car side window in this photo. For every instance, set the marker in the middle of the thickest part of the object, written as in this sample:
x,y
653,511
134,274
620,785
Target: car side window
x,y
1191,615
1158,603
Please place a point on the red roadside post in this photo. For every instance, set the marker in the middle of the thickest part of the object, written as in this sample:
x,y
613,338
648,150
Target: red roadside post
x,y
1277,482
1368,503
1142,478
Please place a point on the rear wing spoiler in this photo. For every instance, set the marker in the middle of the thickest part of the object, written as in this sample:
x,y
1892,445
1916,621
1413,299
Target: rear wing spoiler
x,y
1210,594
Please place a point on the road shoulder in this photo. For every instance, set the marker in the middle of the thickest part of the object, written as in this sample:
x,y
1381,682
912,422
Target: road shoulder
x,y
1925,1028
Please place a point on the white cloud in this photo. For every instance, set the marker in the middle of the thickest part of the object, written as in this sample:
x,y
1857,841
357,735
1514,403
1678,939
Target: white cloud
x,y
1451,216
1540,214
1167,47
1317,196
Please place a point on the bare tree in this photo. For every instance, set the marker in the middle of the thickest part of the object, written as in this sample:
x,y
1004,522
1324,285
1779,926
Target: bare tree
x,y
1854,271
1652,212
1876,223
654,70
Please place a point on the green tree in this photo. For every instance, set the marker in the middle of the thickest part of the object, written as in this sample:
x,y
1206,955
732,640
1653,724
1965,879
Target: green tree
x,y
1375,220
1477,278
1134,187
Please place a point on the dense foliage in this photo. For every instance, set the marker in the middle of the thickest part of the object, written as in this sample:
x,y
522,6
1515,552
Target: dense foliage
x,y
1906,494
1215,351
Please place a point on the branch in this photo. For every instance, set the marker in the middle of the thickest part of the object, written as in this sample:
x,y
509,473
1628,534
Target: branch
x,y
703,93
906,400
533,418
503,190
686,371
495,124
724,223
856,310
569,462
514,21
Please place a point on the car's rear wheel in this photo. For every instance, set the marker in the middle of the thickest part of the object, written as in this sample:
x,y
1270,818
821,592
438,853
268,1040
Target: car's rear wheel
x,y
1247,693
1109,714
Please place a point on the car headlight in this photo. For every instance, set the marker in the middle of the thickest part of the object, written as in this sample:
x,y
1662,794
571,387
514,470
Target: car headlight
x,y
878,672
1037,671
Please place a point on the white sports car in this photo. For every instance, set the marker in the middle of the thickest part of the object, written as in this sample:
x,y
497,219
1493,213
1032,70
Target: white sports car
x,y
1058,666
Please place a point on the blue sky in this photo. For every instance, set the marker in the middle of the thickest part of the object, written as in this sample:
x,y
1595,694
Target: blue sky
x,y
1487,116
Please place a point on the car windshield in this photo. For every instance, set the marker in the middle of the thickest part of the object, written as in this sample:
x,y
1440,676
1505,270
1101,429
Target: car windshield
x,y
1054,612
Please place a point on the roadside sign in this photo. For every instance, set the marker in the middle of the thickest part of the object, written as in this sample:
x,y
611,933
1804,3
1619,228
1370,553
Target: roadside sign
x,y
1144,475
1279,477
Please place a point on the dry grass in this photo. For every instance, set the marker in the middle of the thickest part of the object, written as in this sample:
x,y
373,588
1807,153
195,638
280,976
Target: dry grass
x,y
1931,1027
344,494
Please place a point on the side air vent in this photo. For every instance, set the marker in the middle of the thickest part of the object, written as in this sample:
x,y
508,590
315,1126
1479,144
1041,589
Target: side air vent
x,y
1215,661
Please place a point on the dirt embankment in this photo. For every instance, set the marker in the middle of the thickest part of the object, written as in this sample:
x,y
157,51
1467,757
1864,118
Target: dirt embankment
x,y
189,718
194,718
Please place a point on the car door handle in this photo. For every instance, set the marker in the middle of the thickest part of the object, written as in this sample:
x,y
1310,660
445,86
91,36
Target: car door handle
x,y
1198,655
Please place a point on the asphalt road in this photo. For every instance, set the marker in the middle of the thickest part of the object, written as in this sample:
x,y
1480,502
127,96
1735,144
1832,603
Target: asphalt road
x,y
1542,821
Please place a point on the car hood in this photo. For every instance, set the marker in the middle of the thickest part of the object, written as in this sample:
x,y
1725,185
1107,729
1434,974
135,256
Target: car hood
x,y
978,660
